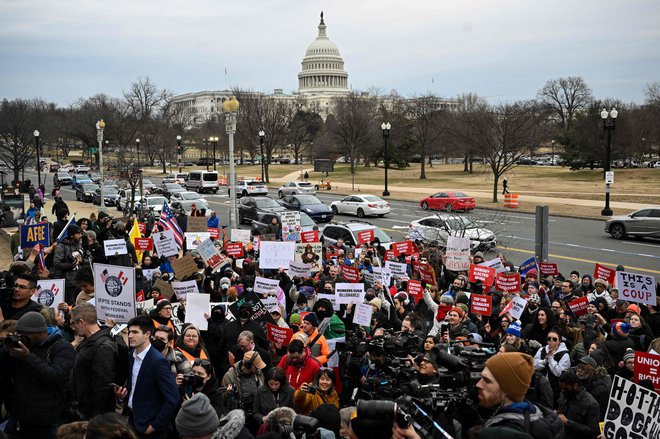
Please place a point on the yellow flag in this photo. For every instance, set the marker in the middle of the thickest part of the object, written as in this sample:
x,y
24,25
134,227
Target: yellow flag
x,y
135,233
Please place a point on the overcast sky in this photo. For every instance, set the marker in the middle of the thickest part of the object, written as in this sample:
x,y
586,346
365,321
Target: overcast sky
x,y
503,50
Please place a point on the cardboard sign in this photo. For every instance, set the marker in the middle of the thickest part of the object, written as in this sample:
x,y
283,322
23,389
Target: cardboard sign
x,y
632,411
485,274
210,253
182,289
240,235
519,305
402,247
383,275
143,244
260,313
415,289
528,265
495,263
309,236
196,306
165,243
299,269
349,293
310,253
149,273
290,226
114,247
197,224
263,285
331,298
214,232
365,236
636,287
114,288
397,269
235,249
164,287
350,274
193,239
647,367
184,267
509,283
579,306
362,315
274,254
50,293
548,268
481,304
605,273
279,336
34,234
458,253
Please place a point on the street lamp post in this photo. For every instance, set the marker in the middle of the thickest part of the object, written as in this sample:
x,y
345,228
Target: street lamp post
x,y
385,126
36,141
100,125
553,152
230,107
206,151
214,142
609,124
178,152
137,145
262,134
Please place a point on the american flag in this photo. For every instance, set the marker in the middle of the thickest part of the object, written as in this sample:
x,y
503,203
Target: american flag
x,y
168,221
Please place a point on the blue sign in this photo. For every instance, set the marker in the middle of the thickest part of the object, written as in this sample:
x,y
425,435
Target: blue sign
x,y
34,234
528,265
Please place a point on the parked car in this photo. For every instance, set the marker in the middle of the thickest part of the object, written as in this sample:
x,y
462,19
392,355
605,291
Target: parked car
x,y
440,227
110,194
347,232
62,178
85,191
641,223
147,185
80,179
309,204
202,181
361,205
187,195
249,207
168,189
53,167
82,169
125,198
263,219
186,205
295,188
153,202
176,177
250,187
95,177
448,201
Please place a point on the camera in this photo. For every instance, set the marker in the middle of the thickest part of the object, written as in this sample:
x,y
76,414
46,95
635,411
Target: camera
x,y
311,390
11,341
193,381
302,426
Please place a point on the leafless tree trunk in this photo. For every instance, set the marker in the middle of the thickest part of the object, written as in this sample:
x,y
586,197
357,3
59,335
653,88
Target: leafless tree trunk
x,y
565,97
424,113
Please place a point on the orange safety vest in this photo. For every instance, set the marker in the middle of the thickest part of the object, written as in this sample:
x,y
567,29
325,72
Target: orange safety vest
x,y
190,358
171,326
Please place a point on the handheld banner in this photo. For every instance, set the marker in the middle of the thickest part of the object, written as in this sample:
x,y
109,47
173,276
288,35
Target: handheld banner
x,y
636,287
275,254
349,293
183,289
365,236
279,336
415,289
458,253
114,288
309,236
632,412
165,243
50,292
34,234
481,304
605,273
647,367
350,274
509,283
485,274
548,268
579,306
196,306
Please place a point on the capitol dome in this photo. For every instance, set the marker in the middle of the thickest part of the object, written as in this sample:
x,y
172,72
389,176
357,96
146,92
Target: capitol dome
x,y
322,68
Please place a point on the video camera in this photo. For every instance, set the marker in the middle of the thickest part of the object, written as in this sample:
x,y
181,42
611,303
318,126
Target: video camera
x,y
302,426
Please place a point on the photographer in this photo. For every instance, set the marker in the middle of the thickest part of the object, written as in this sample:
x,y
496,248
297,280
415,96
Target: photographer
x,y
242,382
321,391
21,302
68,257
202,379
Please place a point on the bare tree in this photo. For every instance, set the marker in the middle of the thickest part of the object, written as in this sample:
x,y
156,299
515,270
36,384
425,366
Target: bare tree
x,y
426,129
458,123
305,125
565,97
145,99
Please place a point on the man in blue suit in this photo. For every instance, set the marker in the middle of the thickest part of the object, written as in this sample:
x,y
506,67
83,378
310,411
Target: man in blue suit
x,y
150,395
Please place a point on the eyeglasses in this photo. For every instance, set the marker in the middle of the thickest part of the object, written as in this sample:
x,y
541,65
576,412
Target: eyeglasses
x,y
327,369
553,339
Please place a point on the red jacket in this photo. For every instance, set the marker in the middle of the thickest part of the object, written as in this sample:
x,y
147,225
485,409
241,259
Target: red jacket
x,y
300,374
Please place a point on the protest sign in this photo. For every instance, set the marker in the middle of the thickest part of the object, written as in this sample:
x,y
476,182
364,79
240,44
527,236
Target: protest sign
x,y
114,288
349,293
509,283
183,289
389,255
34,234
142,227
519,305
149,273
397,269
647,367
365,236
528,265
197,224
193,239
426,274
633,411
275,254
184,267
402,247
309,236
485,274
368,278
214,232
50,292
605,273
333,361
415,289
579,306
164,287
260,313
548,268
196,306
114,247
309,253
235,249
269,302
331,298
279,336
299,269
263,285
240,235
143,244
496,263
350,274
458,253
145,306
165,243
290,226
210,253
481,304
362,315
636,287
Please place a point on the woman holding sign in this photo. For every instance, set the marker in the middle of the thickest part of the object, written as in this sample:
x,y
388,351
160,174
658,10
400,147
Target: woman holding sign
x,y
190,344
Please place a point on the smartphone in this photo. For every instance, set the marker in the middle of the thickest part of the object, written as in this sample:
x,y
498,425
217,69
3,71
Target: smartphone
x,y
115,385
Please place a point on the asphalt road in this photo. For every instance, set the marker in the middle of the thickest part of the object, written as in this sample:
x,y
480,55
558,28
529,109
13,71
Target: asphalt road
x,y
574,244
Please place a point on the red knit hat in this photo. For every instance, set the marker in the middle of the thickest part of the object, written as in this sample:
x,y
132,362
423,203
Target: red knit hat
x,y
459,311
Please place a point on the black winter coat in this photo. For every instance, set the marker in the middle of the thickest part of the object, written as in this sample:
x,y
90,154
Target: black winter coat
x,y
265,401
599,388
543,423
93,372
583,414
616,345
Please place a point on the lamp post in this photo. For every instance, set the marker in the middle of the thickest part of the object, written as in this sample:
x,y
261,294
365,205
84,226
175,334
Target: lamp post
x,y
230,108
100,125
385,126
214,142
553,152
609,124
178,152
36,141
262,134
137,145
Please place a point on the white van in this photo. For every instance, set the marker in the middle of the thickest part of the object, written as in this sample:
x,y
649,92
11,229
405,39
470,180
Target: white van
x,y
202,181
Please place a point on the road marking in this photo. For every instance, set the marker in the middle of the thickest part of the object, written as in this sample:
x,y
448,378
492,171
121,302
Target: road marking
x,y
639,243
584,247
394,221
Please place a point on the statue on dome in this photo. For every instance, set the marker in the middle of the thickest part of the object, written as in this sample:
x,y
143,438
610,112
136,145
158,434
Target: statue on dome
x,y
322,18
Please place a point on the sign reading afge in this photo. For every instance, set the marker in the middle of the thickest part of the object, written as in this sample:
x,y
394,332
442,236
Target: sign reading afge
x,y
633,411
115,292
636,287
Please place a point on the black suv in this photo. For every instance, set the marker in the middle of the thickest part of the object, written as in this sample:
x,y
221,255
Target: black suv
x,y
249,207
85,192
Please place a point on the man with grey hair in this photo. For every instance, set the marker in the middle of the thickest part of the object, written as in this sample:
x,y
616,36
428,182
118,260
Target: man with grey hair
x,y
246,343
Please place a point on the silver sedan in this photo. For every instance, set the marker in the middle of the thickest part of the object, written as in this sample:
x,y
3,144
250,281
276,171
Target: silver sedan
x,y
296,188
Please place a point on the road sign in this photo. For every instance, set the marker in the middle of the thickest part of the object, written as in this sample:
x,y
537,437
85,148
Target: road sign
x,y
609,177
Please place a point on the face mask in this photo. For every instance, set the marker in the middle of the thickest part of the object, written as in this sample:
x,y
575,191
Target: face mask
x,y
248,289
328,291
158,344
224,287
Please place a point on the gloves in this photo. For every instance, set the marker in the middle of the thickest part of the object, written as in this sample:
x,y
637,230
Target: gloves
x,y
534,344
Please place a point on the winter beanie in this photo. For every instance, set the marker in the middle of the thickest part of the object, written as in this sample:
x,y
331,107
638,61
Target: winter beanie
x,y
513,371
197,417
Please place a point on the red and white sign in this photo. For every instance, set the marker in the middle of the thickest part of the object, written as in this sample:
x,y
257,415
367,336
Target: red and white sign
x,y
485,274
309,236
481,304
509,283
235,249
647,367
426,274
548,268
389,255
215,232
579,306
415,289
142,227
602,272
365,236
279,336
402,247
143,244
350,274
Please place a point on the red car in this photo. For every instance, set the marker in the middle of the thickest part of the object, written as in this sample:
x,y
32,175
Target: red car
x,y
448,201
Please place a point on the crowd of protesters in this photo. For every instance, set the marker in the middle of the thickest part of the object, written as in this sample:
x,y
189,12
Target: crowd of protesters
x,y
66,374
